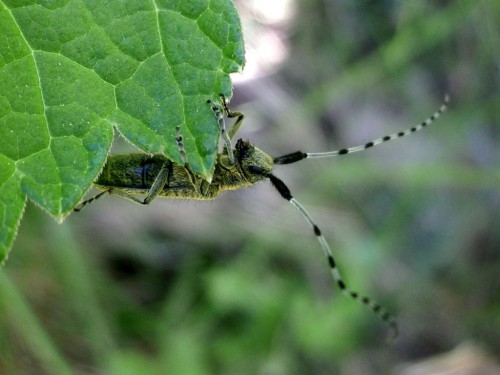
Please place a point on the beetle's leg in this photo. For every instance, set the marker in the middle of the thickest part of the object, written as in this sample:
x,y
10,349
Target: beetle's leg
x,y
112,191
220,119
130,197
81,205
240,117
149,198
153,192
158,184
201,188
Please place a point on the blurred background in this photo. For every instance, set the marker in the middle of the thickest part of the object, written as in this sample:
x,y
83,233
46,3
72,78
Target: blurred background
x,y
240,285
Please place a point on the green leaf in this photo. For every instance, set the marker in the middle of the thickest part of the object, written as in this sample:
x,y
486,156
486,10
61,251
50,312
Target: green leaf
x,y
71,70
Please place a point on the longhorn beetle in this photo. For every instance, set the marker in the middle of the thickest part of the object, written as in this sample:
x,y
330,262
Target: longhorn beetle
x,y
156,176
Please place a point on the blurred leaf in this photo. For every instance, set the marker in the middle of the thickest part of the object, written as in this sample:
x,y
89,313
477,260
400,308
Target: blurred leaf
x,y
70,71
18,310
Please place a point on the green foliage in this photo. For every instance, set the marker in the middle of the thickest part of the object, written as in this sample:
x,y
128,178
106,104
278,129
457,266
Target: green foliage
x,y
70,71
239,285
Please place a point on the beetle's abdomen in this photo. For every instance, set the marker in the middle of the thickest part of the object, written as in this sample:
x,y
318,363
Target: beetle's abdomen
x,y
133,171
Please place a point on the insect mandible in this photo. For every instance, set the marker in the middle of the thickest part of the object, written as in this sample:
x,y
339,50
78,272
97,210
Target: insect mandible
x,y
244,165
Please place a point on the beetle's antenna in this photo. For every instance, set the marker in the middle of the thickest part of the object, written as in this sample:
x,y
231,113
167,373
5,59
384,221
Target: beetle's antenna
x,y
375,307
299,155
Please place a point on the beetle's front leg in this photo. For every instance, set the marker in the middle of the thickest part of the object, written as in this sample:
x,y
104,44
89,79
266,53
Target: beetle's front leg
x,y
231,114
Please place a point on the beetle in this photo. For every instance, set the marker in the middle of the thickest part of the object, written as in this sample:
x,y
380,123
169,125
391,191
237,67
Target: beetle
x,y
244,165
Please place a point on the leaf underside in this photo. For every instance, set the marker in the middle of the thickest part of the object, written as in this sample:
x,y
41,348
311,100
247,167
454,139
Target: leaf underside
x,y
72,70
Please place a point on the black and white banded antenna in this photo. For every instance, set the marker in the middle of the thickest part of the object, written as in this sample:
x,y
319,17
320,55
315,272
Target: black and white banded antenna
x,y
299,155
280,186
372,305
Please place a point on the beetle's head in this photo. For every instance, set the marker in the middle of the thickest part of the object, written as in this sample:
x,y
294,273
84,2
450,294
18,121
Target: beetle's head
x,y
255,164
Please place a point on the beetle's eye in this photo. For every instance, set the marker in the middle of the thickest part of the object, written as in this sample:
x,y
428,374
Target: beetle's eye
x,y
255,170
243,148
243,155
